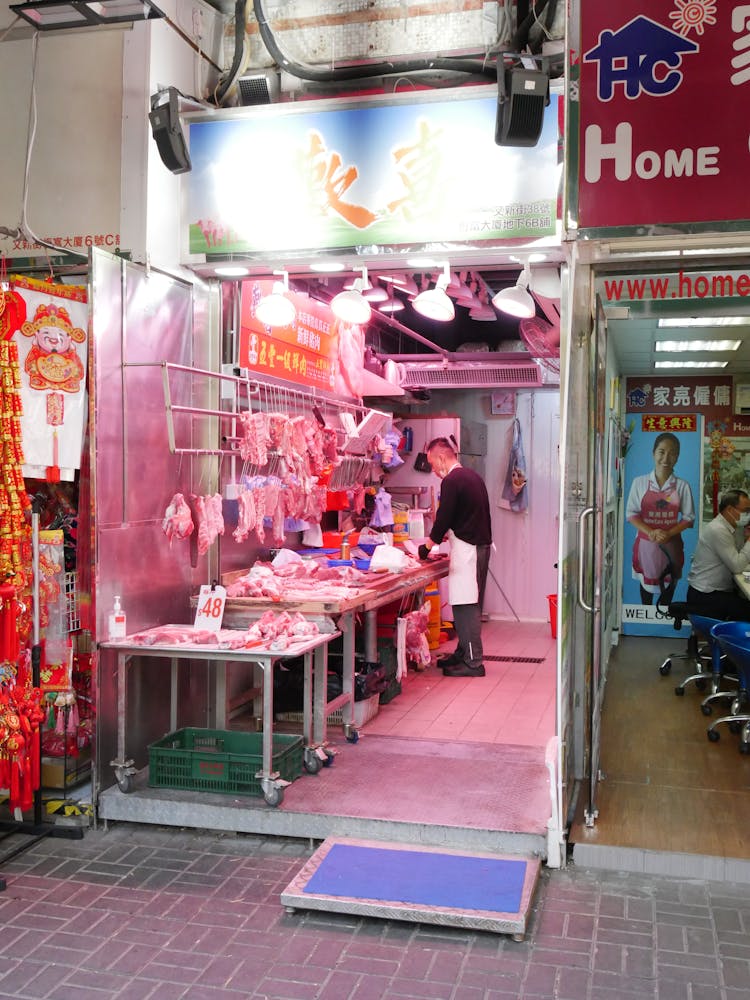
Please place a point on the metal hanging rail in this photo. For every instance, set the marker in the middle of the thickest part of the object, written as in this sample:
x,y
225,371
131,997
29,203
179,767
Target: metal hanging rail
x,y
264,395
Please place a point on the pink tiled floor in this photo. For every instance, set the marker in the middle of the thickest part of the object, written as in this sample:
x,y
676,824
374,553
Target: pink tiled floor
x,y
513,705
462,729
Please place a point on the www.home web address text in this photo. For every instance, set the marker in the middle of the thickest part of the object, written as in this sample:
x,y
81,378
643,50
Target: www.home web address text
x,y
677,286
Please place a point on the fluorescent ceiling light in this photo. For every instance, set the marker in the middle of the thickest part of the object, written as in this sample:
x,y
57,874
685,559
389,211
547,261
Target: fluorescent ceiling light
x,y
716,251
231,271
57,15
706,321
327,267
697,345
533,258
690,364
421,262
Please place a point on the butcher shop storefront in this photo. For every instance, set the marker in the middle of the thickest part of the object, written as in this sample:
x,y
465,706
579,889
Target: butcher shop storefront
x,y
261,483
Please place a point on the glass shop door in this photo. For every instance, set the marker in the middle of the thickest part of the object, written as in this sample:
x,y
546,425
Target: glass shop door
x,y
583,558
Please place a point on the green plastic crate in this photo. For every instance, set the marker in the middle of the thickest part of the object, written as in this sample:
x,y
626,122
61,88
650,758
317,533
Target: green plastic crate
x,y
218,760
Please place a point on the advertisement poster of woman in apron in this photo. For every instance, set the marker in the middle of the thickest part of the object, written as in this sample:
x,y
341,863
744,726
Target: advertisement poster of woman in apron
x,y
660,507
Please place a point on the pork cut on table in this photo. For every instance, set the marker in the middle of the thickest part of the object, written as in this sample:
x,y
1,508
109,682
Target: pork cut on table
x,y
272,630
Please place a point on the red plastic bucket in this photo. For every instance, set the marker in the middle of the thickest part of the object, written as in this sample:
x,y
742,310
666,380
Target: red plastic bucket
x,y
552,598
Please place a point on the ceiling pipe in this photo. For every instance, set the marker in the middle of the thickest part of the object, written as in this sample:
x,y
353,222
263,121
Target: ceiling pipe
x,y
473,67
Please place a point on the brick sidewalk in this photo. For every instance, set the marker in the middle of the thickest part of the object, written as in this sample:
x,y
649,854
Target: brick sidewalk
x,y
140,911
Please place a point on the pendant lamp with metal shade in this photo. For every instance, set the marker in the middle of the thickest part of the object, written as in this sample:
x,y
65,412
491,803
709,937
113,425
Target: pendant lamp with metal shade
x,y
516,300
392,304
483,312
351,306
277,309
435,303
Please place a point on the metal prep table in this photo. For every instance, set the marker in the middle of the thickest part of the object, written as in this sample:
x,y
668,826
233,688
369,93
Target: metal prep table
x,y
379,590
314,650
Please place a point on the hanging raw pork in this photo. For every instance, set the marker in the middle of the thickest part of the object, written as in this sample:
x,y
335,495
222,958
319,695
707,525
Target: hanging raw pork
x,y
178,521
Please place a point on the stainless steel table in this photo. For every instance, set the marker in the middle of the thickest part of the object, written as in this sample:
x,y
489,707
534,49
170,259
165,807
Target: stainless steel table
x,y
378,590
313,649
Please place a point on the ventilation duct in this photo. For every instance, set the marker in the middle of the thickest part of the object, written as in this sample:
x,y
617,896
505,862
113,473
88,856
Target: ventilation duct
x,y
471,375
259,87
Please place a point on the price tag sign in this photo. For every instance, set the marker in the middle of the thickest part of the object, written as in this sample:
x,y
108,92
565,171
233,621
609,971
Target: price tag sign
x,y
210,611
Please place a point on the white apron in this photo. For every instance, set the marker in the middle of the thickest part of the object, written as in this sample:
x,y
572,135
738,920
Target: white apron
x,y
462,572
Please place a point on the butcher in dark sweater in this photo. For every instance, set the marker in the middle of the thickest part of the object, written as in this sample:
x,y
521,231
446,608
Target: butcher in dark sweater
x,y
464,515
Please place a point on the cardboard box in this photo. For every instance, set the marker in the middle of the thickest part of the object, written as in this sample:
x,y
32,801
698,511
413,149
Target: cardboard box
x,y
57,772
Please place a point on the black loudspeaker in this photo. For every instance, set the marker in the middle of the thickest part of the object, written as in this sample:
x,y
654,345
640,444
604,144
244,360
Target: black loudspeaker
x,y
522,96
167,131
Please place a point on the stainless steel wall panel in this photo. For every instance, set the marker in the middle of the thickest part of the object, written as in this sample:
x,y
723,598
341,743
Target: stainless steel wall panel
x,y
141,319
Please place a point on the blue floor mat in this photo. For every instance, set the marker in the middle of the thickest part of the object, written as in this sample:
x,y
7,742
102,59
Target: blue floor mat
x,y
426,879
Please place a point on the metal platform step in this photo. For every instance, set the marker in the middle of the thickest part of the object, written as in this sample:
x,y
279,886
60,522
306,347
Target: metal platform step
x,y
452,888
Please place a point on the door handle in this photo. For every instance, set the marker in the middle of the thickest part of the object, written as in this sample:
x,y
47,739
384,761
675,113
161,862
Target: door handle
x,y
585,514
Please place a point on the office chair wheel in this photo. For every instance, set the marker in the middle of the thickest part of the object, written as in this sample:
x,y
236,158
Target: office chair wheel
x,y
735,727
706,709
744,747
713,735
665,667
679,691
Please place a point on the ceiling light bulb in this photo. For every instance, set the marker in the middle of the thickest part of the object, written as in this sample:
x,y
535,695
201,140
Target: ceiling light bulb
x,y
277,309
350,305
375,293
435,303
483,313
516,300
391,306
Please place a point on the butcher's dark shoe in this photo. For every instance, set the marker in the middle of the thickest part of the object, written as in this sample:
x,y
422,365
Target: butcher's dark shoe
x,y
449,660
464,670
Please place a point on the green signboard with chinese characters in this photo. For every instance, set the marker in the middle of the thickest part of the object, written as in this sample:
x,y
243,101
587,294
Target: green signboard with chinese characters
x,y
337,175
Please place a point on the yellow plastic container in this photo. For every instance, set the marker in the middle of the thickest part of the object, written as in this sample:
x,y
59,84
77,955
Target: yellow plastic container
x,y
433,596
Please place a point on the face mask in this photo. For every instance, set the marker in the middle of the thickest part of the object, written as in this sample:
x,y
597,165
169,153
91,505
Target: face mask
x,y
744,519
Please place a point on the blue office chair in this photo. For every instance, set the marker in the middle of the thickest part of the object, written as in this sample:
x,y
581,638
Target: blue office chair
x,y
697,653
734,640
704,627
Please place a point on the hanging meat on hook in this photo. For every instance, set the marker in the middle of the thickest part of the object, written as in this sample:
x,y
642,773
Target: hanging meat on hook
x,y
178,521
210,521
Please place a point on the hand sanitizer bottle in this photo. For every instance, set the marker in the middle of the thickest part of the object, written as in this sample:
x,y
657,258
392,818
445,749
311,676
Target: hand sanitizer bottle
x,y
117,628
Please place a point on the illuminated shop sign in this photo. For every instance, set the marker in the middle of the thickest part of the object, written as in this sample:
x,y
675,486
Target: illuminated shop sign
x,y
404,172
658,143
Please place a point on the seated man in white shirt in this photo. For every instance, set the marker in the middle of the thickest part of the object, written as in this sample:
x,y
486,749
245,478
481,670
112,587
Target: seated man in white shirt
x,y
717,559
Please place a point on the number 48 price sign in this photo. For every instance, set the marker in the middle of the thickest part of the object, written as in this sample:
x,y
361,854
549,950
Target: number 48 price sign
x,y
210,611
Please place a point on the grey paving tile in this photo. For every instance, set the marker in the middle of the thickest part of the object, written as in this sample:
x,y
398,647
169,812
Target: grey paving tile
x,y
147,913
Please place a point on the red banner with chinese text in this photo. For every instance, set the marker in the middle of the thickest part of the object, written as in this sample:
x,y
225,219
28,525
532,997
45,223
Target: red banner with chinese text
x,y
669,422
315,351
